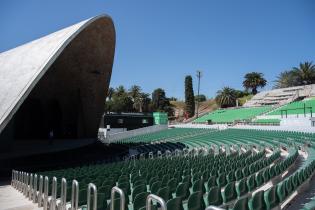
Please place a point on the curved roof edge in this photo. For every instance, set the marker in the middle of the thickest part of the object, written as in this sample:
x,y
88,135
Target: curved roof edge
x,y
22,67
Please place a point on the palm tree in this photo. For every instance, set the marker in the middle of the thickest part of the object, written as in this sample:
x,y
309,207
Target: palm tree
x,y
286,79
305,73
226,97
135,94
253,80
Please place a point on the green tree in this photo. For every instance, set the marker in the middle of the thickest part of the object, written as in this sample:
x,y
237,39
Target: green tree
x,y
286,79
120,101
161,103
135,94
189,97
305,73
110,93
200,98
226,97
254,80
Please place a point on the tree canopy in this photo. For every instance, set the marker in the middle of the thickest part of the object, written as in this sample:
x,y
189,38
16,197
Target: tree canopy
x,y
253,81
189,97
304,74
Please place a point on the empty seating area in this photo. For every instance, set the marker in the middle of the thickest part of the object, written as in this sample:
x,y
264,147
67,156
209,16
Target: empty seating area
x,y
231,169
281,96
266,122
296,108
232,115
169,135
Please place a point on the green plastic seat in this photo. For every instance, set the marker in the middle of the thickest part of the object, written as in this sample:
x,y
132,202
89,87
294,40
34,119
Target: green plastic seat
x,y
164,193
230,177
155,187
241,188
82,197
241,204
187,179
229,192
139,182
175,204
140,200
211,182
125,186
245,171
199,186
270,198
238,174
195,201
106,190
172,184
116,205
251,184
214,196
257,201
281,191
265,175
259,179
182,191
288,186
137,190
221,180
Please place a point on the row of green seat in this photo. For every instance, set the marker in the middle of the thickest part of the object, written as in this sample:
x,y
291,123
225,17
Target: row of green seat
x,y
230,115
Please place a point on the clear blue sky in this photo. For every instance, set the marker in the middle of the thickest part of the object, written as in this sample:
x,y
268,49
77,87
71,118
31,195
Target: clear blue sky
x,y
161,41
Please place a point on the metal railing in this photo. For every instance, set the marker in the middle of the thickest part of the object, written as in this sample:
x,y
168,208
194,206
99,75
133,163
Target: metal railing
x,y
122,198
156,198
92,188
213,208
75,195
63,195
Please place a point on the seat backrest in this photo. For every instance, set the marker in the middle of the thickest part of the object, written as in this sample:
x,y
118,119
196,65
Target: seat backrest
x,y
140,200
175,204
164,193
155,187
241,204
281,192
251,183
211,182
137,190
270,198
229,192
195,201
241,187
257,201
214,196
182,191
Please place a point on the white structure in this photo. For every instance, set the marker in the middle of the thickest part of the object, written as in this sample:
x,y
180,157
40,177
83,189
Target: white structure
x,y
281,96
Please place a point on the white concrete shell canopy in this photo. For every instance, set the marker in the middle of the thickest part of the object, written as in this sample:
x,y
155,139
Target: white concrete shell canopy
x,y
72,66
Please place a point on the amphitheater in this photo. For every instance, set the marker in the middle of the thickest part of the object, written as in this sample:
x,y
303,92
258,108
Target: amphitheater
x,y
257,157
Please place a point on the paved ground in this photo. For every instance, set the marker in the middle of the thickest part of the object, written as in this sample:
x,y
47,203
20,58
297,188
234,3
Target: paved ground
x,y
11,199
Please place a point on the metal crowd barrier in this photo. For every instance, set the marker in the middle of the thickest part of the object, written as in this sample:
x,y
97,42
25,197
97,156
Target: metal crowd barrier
x,y
75,195
92,189
213,208
156,198
53,199
122,198
63,195
34,188
46,188
40,191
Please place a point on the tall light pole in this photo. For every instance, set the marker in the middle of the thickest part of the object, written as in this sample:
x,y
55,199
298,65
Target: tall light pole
x,y
199,75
